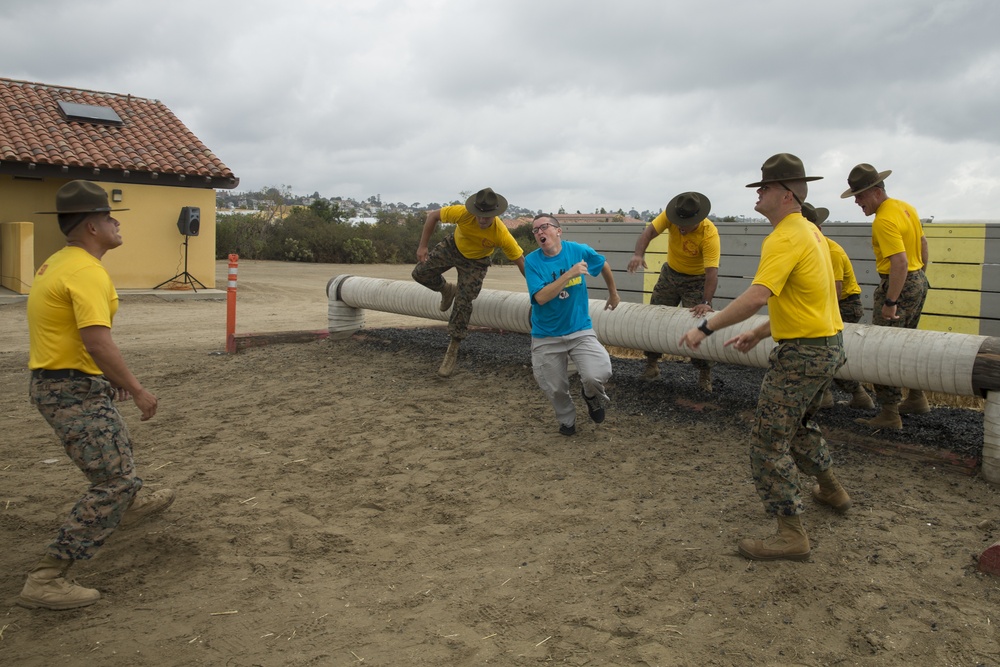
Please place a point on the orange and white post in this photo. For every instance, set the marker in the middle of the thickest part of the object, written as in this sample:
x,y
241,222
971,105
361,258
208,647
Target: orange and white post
x,y
234,261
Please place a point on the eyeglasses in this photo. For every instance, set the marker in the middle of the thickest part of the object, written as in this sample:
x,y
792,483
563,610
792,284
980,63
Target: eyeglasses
x,y
542,227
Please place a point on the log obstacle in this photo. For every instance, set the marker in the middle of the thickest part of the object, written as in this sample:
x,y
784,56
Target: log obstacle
x,y
950,363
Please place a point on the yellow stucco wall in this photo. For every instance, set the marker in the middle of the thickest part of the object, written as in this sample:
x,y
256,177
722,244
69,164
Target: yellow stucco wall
x,y
153,248
17,256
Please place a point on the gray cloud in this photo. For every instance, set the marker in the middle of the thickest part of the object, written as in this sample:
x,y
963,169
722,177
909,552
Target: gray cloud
x,y
557,103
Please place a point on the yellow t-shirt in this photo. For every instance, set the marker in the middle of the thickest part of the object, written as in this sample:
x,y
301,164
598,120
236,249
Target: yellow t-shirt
x,y
843,270
896,229
795,265
72,290
475,242
693,252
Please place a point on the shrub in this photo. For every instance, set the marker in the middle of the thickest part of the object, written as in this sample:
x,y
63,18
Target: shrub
x,y
359,251
245,234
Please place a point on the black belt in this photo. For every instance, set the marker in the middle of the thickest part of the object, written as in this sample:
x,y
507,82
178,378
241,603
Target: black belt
x,y
60,374
885,276
851,298
682,274
826,341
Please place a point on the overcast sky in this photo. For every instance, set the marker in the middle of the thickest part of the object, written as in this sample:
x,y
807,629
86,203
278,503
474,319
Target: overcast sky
x,y
572,103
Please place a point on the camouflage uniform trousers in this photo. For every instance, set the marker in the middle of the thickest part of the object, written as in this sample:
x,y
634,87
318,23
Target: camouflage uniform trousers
x,y
785,437
851,311
675,288
911,304
82,413
471,274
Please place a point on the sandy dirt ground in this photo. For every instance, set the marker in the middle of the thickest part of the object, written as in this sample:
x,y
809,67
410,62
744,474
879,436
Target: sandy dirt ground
x,y
338,504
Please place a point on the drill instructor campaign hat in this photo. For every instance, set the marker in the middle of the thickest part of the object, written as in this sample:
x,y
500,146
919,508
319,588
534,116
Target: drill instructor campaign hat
x,y
782,167
81,197
688,209
863,177
817,216
486,203
78,197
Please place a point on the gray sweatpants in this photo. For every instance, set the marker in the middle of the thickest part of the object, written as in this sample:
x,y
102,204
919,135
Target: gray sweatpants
x,y
549,362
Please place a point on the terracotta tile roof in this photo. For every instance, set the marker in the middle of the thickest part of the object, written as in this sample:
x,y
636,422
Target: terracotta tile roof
x,y
514,223
151,142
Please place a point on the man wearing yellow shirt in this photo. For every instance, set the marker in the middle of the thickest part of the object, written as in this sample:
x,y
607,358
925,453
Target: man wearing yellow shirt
x,y
900,257
478,232
77,374
795,281
690,275
849,302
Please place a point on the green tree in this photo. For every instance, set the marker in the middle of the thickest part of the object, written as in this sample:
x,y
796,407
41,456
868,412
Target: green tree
x,y
251,235
325,210
522,234
359,251
245,234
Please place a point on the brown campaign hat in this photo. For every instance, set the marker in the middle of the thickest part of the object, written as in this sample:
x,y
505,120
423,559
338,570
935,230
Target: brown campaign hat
x,y
782,167
688,209
863,177
486,203
81,197
817,216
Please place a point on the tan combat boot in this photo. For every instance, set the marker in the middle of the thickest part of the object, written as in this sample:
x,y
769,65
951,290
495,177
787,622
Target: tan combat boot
x,y
448,293
705,380
450,358
46,588
789,543
830,492
915,403
888,417
860,400
652,367
145,505
827,401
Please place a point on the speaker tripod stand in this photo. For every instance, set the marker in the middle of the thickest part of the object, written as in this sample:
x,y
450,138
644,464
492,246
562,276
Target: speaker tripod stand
x,y
188,279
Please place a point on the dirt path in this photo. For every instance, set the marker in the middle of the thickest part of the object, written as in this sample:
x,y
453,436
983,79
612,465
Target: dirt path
x,y
338,504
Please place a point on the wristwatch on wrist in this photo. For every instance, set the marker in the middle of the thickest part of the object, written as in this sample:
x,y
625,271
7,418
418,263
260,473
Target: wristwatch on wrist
x,y
706,303
890,302
703,327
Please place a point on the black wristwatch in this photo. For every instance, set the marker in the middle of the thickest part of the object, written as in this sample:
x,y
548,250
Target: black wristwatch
x,y
703,327
890,302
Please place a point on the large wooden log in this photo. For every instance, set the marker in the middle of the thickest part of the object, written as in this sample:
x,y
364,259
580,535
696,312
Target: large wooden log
x,y
986,368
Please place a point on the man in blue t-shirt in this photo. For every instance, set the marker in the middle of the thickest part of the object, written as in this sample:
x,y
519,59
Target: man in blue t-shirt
x,y
561,328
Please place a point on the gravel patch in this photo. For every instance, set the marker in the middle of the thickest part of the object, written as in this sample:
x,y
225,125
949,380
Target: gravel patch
x,y
675,396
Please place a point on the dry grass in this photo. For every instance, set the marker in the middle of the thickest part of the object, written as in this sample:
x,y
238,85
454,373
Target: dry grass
x,y
933,397
627,353
955,401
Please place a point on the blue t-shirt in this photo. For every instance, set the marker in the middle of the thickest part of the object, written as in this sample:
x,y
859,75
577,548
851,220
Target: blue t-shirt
x,y
570,311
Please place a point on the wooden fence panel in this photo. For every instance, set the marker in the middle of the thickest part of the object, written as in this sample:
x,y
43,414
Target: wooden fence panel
x,y
964,272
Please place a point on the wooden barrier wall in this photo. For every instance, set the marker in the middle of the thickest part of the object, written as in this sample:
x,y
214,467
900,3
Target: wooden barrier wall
x,y
964,272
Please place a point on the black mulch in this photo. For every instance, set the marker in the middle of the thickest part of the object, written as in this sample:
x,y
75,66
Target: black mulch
x,y
675,395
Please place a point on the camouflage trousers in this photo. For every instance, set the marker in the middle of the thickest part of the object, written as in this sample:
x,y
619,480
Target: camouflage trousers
x,y
82,413
674,288
785,439
911,304
471,274
851,311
